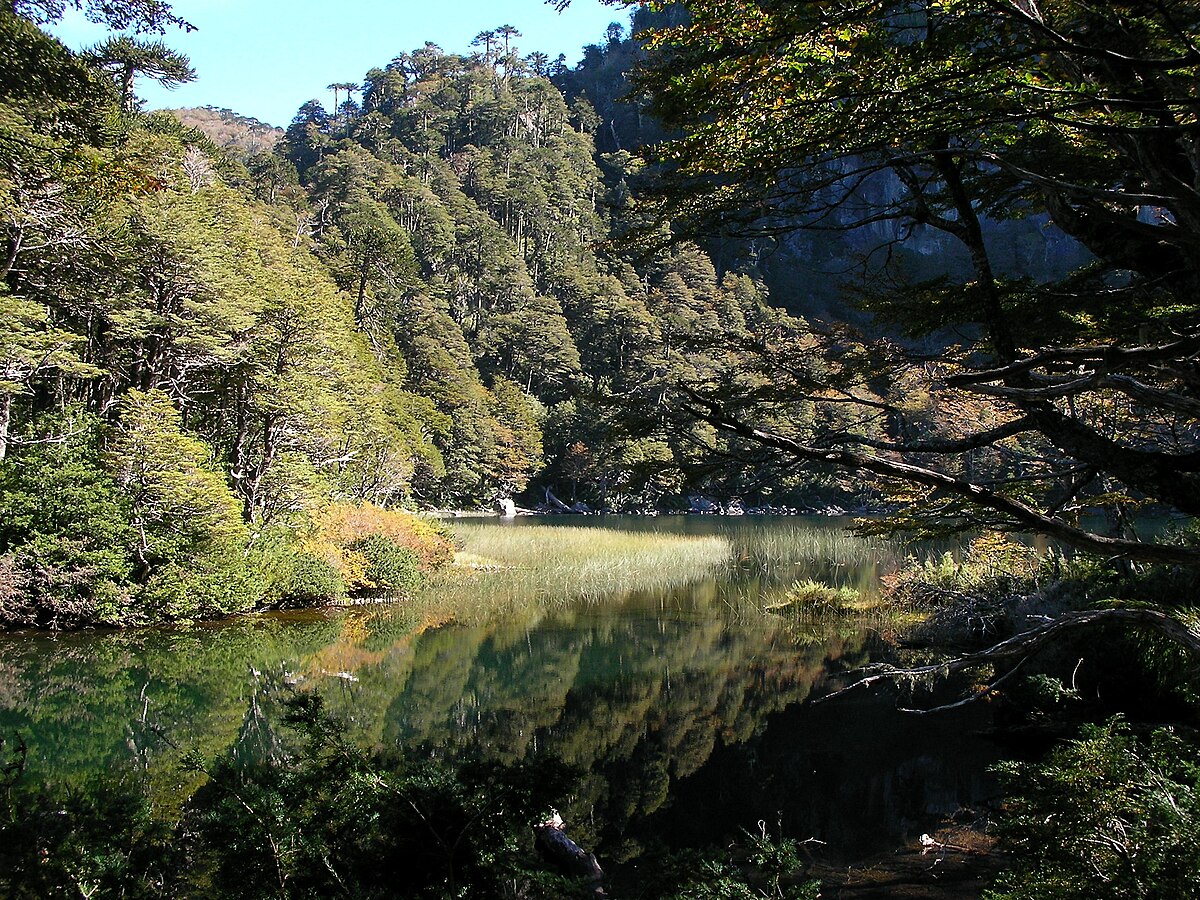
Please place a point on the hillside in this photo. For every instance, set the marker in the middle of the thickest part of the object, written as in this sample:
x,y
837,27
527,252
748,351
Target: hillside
x,y
225,128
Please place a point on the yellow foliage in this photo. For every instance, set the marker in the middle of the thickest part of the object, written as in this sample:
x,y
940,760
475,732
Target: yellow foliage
x,y
339,525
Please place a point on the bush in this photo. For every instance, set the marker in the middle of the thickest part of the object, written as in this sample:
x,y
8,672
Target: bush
x,y
390,567
769,867
308,581
1109,815
99,840
363,544
341,524
203,587
322,819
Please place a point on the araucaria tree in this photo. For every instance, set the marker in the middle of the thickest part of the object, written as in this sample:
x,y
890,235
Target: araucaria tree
x,y
1039,401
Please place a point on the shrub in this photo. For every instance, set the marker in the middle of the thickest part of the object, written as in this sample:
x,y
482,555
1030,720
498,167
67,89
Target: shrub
x,y
100,840
342,523
1109,815
769,867
341,528
308,581
201,587
390,567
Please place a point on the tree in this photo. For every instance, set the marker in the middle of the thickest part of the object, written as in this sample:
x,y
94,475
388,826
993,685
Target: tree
x,y
486,40
180,505
795,114
139,16
125,57
348,86
29,348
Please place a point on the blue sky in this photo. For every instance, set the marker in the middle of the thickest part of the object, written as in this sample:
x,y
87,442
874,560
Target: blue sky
x,y
264,58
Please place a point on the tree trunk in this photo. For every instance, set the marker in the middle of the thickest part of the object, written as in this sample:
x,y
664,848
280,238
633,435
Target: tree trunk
x,y
127,88
5,419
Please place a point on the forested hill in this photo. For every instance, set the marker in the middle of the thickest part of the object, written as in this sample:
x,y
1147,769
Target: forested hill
x,y
227,129
463,210
406,304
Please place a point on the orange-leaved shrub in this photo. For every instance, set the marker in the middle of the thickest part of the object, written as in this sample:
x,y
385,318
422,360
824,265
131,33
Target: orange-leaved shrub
x,y
340,532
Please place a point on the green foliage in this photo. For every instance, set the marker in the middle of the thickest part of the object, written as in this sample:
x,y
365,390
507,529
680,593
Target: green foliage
x,y
391,568
808,595
139,16
65,532
307,580
756,868
906,130
992,564
180,505
1108,815
322,819
100,839
44,82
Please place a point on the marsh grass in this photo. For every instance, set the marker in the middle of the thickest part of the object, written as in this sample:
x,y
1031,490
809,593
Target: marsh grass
x,y
502,569
813,546
798,569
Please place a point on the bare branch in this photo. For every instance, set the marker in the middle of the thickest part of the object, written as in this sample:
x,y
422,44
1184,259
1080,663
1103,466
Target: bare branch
x,y
1022,646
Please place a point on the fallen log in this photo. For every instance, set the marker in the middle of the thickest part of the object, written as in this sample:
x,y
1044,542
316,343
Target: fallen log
x,y
550,837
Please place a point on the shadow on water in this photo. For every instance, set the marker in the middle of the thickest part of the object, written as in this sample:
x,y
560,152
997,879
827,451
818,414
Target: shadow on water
x,y
684,706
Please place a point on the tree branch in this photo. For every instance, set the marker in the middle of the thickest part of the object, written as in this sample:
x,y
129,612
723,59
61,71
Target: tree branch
x,y
1021,647
1019,514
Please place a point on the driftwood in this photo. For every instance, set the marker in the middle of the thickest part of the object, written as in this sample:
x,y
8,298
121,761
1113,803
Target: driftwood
x,y
568,857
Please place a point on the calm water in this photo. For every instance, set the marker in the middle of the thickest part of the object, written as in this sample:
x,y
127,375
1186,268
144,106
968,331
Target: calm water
x,y
686,706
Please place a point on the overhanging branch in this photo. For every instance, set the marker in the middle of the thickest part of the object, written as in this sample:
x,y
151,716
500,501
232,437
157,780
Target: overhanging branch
x,y
1020,647
1020,514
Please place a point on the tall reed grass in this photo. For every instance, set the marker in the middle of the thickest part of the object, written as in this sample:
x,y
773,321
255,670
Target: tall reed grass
x,y
502,569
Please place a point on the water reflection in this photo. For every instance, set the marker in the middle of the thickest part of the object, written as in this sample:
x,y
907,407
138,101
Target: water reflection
x,y
684,707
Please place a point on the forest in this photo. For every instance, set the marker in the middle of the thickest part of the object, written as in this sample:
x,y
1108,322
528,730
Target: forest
x,y
410,303
928,262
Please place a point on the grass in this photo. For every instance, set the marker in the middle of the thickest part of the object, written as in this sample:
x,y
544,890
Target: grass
x,y
803,544
807,571
502,568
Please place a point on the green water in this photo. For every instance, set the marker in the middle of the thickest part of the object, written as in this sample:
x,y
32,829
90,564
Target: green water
x,y
684,706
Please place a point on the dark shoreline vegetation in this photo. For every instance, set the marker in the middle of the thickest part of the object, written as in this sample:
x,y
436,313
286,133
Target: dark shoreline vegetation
x,y
937,259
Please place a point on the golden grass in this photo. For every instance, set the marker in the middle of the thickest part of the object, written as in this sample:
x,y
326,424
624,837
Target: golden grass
x,y
502,568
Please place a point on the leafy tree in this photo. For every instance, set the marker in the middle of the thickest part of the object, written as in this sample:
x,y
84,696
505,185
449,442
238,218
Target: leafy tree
x,y
140,16
125,57
30,348
64,530
307,138
1109,814
792,112
180,505
44,82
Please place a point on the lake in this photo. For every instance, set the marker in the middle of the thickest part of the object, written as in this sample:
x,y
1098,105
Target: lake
x,y
685,703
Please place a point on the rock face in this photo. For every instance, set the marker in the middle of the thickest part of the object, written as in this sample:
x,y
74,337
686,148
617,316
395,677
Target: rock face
x,y
505,508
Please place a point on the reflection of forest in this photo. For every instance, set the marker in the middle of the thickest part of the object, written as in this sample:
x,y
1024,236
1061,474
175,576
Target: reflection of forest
x,y
857,774
631,694
636,701
87,703
661,700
